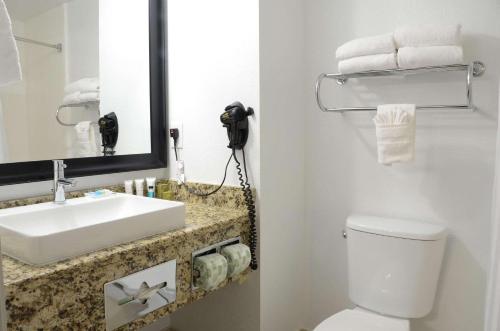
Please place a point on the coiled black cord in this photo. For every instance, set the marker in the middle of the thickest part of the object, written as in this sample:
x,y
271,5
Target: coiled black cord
x,y
247,192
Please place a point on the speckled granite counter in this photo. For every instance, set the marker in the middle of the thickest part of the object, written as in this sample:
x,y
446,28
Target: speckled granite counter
x,y
69,295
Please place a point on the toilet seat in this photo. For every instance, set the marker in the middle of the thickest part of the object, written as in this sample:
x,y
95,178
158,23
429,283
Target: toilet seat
x,y
359,320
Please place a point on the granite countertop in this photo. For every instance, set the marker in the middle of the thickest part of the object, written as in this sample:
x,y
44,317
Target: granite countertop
x,y
69,294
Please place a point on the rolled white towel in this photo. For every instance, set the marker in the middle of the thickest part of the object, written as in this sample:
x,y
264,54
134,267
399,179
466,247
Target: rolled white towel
x,y
415,57
395,129
91,84
368,63
428,35
381,44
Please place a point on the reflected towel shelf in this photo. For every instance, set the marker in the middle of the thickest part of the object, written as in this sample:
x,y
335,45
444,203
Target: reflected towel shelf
x,y
475,69
75,105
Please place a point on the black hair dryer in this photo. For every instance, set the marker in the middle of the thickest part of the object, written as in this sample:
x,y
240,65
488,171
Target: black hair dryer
x,y
235,120
108,127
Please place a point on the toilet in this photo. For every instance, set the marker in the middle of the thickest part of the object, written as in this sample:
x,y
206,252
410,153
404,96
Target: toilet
x,y
394,268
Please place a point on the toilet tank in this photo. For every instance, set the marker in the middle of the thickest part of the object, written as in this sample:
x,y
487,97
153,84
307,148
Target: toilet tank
x,y
394,264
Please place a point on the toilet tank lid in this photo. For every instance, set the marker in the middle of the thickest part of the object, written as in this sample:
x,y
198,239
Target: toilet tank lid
x,y
396,227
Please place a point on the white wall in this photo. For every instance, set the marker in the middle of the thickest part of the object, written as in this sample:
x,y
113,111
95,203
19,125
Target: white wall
x,y
284,244
81,42
213,60
124,71
450,181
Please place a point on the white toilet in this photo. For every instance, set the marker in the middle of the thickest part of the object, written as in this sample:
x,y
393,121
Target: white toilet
x,y
393,273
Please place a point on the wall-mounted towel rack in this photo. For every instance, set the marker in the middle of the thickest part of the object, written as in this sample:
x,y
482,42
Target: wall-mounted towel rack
x,y
57,47
83,104
472,70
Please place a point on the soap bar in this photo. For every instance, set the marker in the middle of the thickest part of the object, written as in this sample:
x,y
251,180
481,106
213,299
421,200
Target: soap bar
x,y
99,194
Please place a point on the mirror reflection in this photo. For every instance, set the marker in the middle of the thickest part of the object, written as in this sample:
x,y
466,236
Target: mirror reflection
x,y
84,90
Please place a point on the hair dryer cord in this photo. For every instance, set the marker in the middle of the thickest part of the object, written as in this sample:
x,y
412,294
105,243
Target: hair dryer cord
x,y
247,192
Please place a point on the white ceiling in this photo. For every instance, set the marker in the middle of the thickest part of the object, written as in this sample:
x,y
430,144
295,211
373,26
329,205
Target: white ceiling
x,y
23,9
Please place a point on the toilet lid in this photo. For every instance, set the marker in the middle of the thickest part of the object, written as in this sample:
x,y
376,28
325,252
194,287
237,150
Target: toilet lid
x,y
355,320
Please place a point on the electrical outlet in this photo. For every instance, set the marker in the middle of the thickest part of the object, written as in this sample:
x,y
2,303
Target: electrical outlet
x,y
180,141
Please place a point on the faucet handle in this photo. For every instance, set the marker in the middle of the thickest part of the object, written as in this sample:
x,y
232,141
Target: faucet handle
x,y
67,182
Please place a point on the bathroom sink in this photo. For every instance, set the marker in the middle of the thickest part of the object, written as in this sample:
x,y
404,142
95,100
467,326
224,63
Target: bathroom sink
x,y
45,233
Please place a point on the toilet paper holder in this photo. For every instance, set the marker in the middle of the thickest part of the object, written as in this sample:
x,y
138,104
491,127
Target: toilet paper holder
x,y
215,248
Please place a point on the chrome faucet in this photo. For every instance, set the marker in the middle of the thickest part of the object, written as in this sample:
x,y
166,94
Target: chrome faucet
x,y
60,183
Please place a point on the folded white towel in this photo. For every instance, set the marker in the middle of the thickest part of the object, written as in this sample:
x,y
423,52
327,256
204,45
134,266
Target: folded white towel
x,y
367,63
415,57
86,143
429,35
78,98
10,66
83,85
90,96
382,44
395,128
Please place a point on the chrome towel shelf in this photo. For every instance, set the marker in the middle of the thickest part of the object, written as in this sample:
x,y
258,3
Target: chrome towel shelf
x,y
83,104
472,70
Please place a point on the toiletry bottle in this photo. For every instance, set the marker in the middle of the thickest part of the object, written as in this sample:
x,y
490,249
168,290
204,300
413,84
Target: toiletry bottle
x,y
129,186
139,187
151,185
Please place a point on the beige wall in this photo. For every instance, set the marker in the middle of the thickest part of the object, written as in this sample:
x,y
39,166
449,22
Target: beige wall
x,y
29,106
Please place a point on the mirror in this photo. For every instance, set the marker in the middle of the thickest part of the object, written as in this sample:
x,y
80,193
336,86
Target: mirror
x,y
93,90
85,90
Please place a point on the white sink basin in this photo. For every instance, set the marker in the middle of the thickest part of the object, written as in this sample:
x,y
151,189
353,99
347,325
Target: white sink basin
x,y
45,233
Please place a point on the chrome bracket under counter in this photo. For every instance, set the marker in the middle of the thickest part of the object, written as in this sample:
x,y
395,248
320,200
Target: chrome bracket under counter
x,y
132,297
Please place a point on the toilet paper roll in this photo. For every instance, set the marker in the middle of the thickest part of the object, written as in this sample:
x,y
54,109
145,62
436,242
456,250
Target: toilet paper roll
x,y
212,270
238,258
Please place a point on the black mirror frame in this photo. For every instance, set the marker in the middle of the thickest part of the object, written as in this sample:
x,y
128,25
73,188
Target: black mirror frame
x,y
22,172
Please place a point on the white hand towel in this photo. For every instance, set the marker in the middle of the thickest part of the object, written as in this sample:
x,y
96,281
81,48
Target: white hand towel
x,y
395,128
367,63
429,35
415,57
83,85
382,44
10,66
86,143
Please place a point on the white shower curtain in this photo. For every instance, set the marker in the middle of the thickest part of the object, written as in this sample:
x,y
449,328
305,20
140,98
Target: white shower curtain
x,y
492,317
